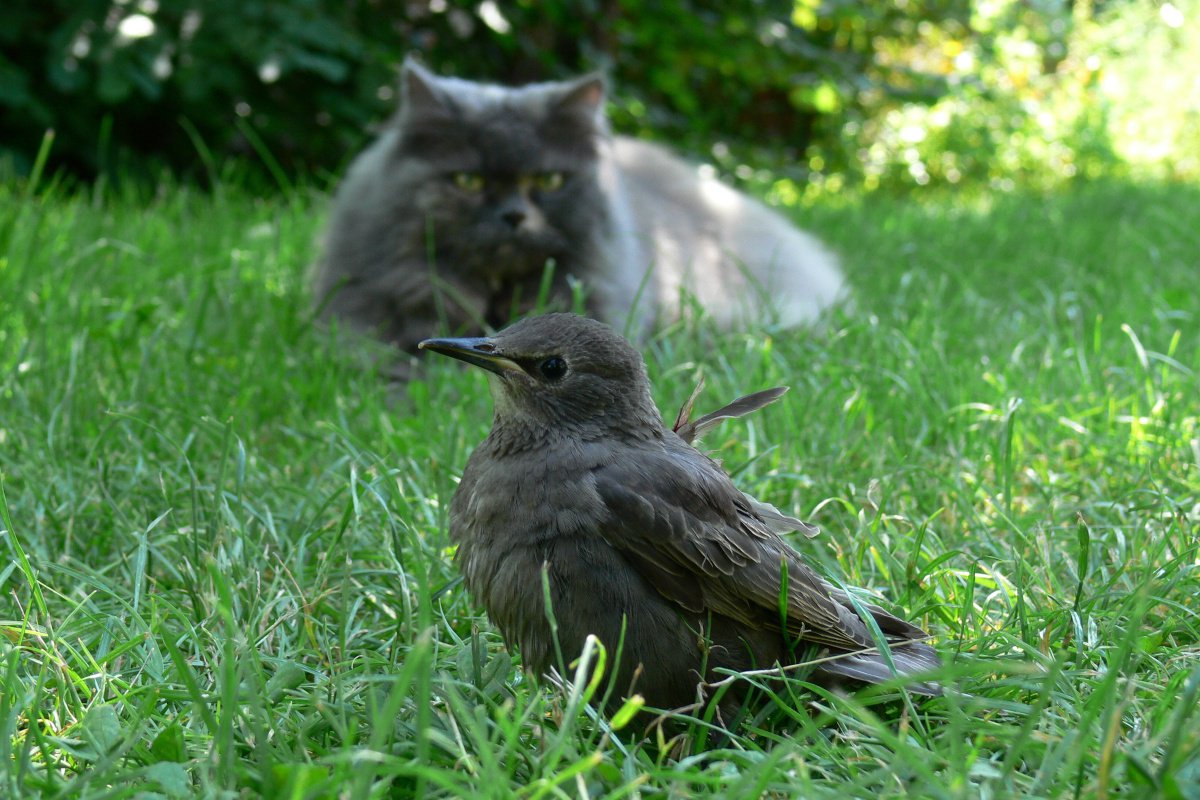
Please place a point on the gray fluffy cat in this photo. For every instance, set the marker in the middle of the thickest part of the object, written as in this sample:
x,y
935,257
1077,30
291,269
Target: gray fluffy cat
x,y
446,223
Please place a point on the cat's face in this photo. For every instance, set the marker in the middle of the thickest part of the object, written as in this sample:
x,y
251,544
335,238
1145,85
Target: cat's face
x,y
507,177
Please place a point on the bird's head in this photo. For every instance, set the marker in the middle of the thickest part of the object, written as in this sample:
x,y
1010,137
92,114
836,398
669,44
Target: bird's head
x,y
562,370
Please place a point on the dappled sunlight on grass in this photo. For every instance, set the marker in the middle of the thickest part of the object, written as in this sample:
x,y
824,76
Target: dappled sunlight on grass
x,y
230,568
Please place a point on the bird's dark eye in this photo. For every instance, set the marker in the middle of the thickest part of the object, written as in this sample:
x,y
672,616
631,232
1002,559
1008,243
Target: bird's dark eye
x,y
553,368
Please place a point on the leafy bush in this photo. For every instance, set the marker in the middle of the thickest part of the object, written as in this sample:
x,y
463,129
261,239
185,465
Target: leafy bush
x,y
175,82
301,81
1042,93
825,92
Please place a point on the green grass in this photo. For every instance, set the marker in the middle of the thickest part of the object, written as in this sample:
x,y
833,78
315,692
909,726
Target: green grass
x,y
226,569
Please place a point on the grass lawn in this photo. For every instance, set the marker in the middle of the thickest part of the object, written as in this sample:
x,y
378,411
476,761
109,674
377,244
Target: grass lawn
x,y
225,568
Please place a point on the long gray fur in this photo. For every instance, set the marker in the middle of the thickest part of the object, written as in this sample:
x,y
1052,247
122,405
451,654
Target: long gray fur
x,y
408,253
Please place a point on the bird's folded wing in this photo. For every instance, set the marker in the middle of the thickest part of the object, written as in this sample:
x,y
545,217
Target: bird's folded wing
x,y
683,525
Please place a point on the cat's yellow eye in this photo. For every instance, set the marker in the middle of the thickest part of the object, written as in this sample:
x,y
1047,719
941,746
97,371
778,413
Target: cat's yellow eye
x,y
469,181
548,181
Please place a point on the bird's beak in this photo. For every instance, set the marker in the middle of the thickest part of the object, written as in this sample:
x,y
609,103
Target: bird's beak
x,y
480,352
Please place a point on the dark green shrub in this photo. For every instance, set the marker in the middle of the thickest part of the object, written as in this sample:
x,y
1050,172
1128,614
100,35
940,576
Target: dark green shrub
x,y
145,83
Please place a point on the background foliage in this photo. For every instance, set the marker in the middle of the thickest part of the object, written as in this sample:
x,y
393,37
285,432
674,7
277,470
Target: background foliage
x,y
825,92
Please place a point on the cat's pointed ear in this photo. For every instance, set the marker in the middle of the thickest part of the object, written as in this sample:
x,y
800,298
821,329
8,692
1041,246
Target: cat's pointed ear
x,y
585,96
419,94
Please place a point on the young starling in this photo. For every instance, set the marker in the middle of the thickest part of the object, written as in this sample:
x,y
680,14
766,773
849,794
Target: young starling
x,y
639,534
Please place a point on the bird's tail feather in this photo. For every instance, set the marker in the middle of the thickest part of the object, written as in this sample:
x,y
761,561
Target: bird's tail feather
x,y
909,658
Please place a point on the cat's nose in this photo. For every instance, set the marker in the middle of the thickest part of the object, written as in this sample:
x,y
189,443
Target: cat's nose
x,y
513,210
